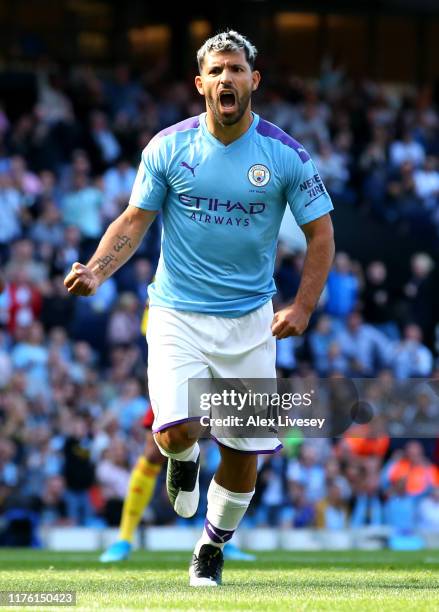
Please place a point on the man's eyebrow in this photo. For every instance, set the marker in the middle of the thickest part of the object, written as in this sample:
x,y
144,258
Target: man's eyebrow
x,y
220,65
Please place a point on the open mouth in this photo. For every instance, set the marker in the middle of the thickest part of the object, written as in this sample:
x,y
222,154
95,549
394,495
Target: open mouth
x,y
227,100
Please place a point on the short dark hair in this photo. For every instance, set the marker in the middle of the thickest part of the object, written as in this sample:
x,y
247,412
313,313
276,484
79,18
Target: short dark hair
x,y
227,41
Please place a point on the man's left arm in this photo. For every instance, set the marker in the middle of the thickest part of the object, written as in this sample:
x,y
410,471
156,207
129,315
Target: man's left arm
x,y
293,320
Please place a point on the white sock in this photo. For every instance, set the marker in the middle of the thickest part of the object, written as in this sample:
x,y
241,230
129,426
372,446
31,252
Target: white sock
x,y
190,454
225,510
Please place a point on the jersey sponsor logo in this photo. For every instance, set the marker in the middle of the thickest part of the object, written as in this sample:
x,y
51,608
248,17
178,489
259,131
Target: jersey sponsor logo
x,y
313,187
259,175
190,168
215,205
219,219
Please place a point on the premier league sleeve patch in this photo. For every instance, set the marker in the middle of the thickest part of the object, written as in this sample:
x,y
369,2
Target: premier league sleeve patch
x,y
259,175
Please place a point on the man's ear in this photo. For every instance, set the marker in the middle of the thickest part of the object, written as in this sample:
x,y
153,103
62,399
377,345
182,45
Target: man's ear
x,y
256,79
199,84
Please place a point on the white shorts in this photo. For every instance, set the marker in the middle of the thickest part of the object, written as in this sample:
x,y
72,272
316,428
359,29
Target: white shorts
x,y
184,345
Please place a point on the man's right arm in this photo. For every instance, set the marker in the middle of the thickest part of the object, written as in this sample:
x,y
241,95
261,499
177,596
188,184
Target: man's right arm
x,y
117,245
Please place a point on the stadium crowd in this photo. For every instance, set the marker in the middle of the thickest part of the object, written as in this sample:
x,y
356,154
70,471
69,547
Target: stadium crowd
x,y
72,371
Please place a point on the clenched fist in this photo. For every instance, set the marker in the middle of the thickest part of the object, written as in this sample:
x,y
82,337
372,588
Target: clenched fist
x,y
290,321
81,280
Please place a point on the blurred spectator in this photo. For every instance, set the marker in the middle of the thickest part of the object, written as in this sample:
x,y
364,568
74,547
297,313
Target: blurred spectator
x,y
53,104
278,110
124,323
5,368
337,362
421,416
58,341
9,473
52,504
406,150
428,512
273,500
332,169
83,360
31,356
22,263
142,277
287,274
24,300
69,250
427,183
286,355
113,475
400,508
91,315
78,472
365,440
118,183
104,147
11,206
365,347
106,430
82,207
331,511
130,406
48,230
124,93
303,509
367,505
333,473
410,357
343,287
373,169
42,460
310,127
308,472
377,300
403,200
57,307
27,183
416,473
325,351
414,291
50,189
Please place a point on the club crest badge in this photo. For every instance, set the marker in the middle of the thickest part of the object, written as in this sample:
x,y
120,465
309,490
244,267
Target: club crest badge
x,y
259,175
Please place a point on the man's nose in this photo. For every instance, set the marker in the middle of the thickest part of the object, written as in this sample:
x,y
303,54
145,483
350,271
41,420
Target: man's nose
x,y
226,76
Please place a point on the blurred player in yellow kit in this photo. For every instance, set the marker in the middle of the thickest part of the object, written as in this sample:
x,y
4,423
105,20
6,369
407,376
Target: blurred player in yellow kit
x,y
140,491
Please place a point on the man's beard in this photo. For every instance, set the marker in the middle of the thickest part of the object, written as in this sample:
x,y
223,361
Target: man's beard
x,y
242,104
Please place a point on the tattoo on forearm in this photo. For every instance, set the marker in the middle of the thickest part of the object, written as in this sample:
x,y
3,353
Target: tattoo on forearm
x,y
122,241
102,263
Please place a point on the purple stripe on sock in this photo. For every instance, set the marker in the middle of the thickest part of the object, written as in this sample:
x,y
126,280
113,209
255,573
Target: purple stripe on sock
x,y
217,535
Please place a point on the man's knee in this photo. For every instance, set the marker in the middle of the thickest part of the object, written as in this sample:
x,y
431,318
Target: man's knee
x,y
153,455
151,452
175,439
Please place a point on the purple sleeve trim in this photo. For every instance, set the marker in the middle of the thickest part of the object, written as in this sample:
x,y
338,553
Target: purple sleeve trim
x,y
265,128
188,124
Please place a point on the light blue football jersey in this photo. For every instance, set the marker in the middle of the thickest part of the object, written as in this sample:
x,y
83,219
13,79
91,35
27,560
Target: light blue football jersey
x,y
222,206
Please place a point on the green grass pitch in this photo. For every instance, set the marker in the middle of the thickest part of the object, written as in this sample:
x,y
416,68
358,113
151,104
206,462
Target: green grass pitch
x,y
333,581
